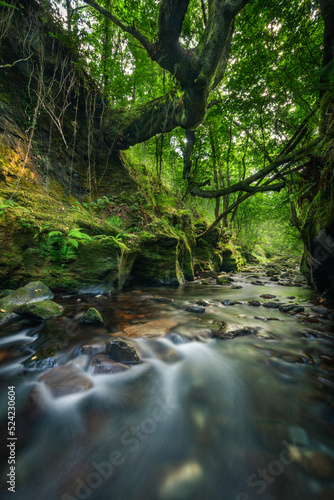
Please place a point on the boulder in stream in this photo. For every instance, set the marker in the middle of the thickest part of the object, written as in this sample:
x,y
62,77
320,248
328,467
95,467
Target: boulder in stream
x,y
34,291
122,350
39,311
92,317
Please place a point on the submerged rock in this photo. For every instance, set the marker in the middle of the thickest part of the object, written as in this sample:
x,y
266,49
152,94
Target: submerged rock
x,y
101,363
92,317
66,379
163,300
195,309
39,311
320,310
203,303
150,329
181,482
122,350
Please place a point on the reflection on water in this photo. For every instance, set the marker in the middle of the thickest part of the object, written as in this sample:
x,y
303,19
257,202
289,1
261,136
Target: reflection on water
x,y
198,419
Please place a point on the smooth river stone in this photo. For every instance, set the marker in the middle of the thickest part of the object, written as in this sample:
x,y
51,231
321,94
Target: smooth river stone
x,y
66,379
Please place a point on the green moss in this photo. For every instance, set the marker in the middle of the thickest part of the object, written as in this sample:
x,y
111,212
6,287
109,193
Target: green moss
x,y
92,317
42,310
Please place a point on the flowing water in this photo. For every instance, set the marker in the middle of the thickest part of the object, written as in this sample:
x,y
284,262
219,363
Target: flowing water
x,y
200,418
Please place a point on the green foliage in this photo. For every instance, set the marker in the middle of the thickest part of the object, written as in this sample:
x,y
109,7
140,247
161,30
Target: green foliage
x,y
116,221
61,247
4,205
5,4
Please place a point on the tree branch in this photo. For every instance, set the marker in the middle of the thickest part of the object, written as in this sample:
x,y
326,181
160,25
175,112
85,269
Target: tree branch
x,y
132,30
246,184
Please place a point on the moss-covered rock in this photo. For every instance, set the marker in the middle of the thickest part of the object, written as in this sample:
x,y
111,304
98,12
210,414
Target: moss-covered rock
x,y
162,259
224,280
229,262
32,292
39,311
92,317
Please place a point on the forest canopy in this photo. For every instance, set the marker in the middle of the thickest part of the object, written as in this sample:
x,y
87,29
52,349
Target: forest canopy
x,y
224,95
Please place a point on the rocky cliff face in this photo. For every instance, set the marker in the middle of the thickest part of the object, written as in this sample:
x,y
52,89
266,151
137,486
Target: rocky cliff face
x,y
51,111
71,213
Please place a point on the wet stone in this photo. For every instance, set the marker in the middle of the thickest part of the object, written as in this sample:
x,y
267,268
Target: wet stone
x,y
90,349
122,350
101,363
271,305
236,287
163,300
228,302
39,311
320,310
66,379
218,329
254,303
195,309
307,359
286,307
92,317
176,338
203,303
327,382
150,329
268,296
242,332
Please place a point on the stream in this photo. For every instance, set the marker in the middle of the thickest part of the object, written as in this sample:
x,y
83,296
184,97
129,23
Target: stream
x,y
203,416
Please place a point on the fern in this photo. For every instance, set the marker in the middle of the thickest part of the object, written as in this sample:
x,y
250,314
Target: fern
x,y
76,233
52,234
74,243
